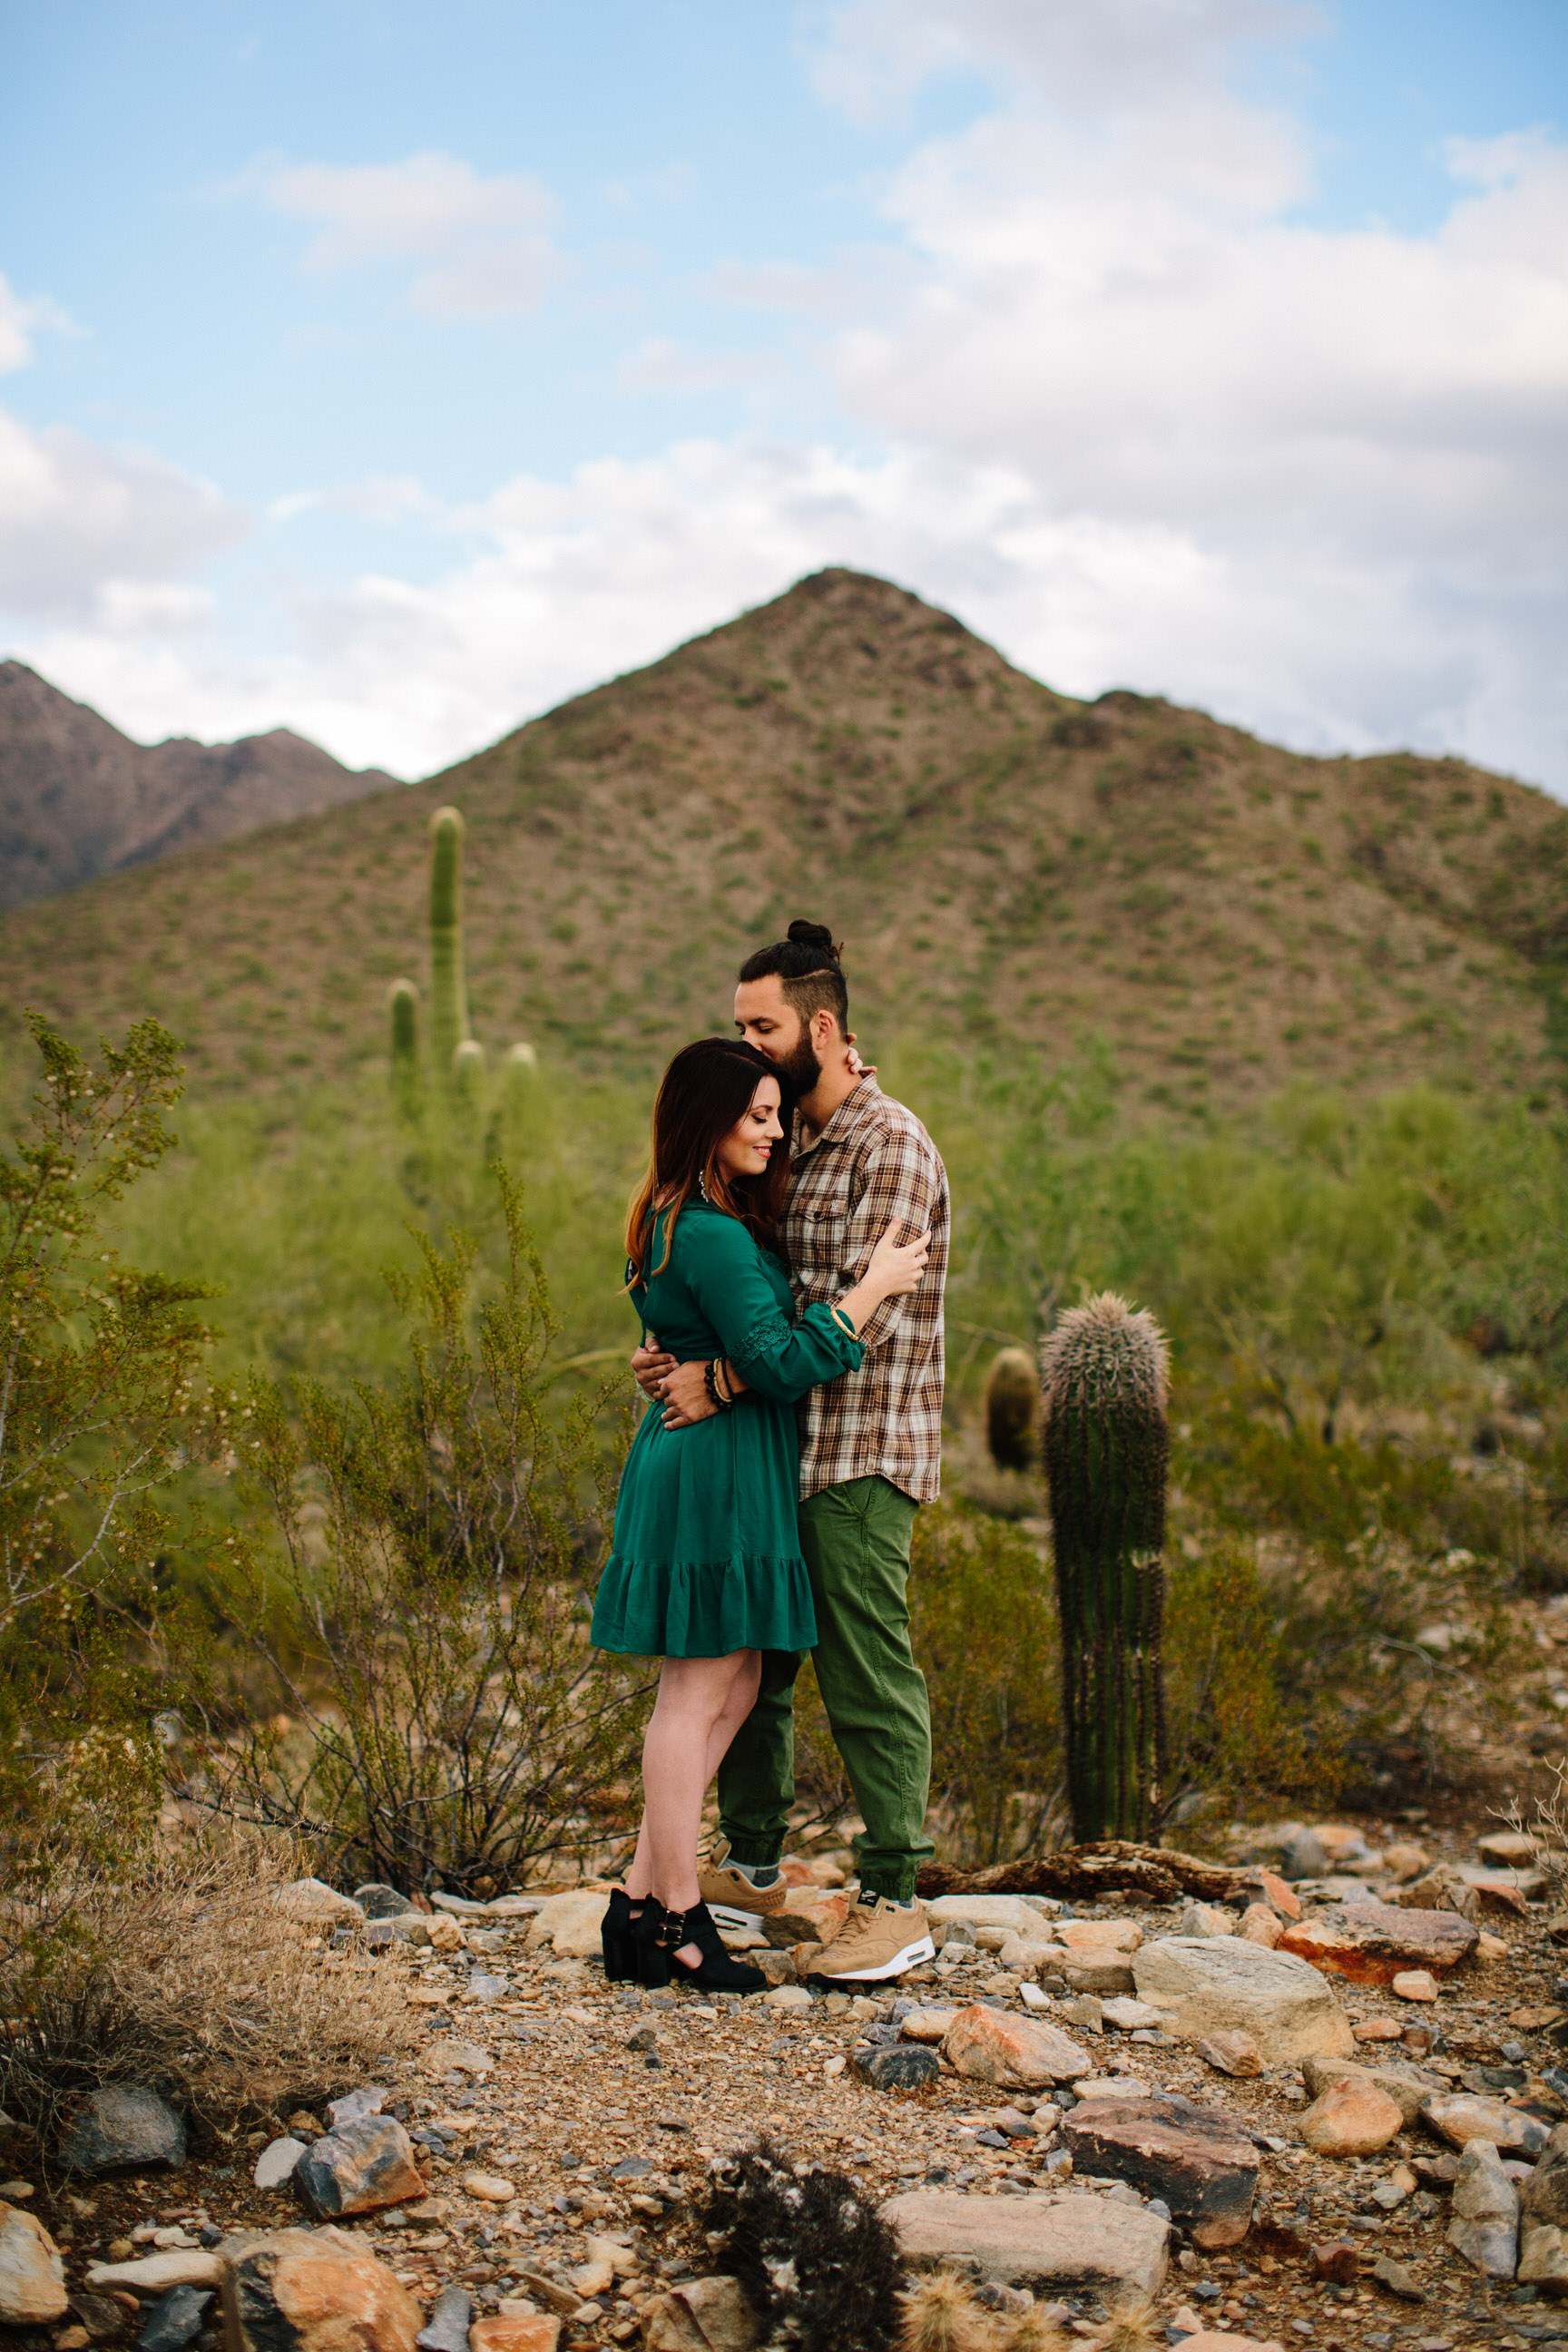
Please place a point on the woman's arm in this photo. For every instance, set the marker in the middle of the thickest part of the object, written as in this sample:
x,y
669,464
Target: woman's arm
x,y
779,1359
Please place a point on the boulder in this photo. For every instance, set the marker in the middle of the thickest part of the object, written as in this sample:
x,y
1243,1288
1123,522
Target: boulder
x,y
1543,2219
1485,2227
1230,2054
32,2271
989,2045
313,2291
1371,1943
379,1901
447,2329
123,2129
360,2168
175,2320
1408,2087
1462,2116
570,1923
708,2314
1204,1988
1350,2116
1201,2162
1071,2243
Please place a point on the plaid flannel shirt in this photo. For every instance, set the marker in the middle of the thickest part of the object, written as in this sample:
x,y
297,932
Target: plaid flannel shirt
x,y
872,1163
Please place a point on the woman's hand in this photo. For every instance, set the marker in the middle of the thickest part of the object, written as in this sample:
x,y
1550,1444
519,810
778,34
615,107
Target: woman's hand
x,y
685,1395
895,1266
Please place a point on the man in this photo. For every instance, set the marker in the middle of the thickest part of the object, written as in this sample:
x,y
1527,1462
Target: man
x,y
870,1455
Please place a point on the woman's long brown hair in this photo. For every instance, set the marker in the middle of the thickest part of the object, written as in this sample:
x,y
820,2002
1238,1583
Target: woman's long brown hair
x,y
704,1093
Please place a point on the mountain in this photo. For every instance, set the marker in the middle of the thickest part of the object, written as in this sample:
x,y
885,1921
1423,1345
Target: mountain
x,y
1011,870
78,798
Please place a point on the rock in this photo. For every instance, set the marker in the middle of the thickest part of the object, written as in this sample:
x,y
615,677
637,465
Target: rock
x,y
814,1914
313,2291
1110,2086
534,2331
1027,1954
1490,1948
1350,2116
360,2168
1372,1942
311,1899
1100,1972
1485,2227
787,1996
1509,1849
1377,2029
486,1988
32,2271
1230,2054
379,1901
1076,2241
1281,2001
1098,1935
708,2314
927,2024
987,2045
898,2066
1205,1920
1128,2015
153,2274
1304,1858
1398,2280
124,2129
444,1935
985,1911
1405,1862
1408,2087
1200,2162
489,2187
1256,1887
1337,2262
1086,2011
1508,1891
1415,1984
356,2106
276,2163
447,2329
1461,2116
1440,1889
465,1907
466,2058
1261,1925
174,2319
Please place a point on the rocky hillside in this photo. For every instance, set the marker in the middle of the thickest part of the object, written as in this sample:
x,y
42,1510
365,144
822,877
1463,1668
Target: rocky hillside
x,y
78,798
1010,869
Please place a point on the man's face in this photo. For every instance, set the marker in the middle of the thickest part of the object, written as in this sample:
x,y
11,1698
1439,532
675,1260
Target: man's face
x,y
766,1020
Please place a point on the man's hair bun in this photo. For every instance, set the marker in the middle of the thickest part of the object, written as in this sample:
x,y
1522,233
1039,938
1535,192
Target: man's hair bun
x,y
818,936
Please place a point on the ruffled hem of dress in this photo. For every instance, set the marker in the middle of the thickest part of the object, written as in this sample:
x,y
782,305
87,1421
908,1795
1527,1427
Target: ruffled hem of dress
x,y
703,1609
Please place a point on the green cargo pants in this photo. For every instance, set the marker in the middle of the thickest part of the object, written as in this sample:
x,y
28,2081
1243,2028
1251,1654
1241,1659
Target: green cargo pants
x,y
855,1540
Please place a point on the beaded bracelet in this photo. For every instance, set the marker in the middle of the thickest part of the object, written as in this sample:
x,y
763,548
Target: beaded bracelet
x,y
711,1382
842,1320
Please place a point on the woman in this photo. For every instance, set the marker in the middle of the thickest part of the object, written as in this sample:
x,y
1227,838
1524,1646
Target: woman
x,y
706,1570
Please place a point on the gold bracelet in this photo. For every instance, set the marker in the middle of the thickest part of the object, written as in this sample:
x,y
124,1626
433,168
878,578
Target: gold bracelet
x,y
842,1320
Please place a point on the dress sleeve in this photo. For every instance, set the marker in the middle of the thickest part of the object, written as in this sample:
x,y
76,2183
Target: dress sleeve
x,y
779,1359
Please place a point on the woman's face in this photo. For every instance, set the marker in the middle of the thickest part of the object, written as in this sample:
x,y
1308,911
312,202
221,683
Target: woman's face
x,y
748,1147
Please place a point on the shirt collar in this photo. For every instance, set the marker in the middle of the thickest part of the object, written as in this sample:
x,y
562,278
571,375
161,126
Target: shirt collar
x,y
841,1127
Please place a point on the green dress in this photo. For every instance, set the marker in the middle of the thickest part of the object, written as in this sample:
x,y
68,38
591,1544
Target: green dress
x,y
707,1558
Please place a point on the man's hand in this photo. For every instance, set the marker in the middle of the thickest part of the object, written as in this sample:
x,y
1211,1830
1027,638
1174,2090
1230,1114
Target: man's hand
x,y
651,1367
686,1397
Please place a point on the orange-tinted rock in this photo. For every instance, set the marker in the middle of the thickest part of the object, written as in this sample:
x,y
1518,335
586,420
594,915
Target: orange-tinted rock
x,y
1371,1943
359,2168
1353,2117
1337,2262
32,2273
987,2045
812,1915
1259,1925
315,2291
538,2331
1230,2053
1260,1886
1378,2029
1415,1984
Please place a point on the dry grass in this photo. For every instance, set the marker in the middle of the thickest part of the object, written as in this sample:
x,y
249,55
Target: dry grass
x,y
1008,869
185,1974
941,2314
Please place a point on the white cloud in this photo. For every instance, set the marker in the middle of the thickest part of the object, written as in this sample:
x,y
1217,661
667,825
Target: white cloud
x,y
20,320
82,528
481,242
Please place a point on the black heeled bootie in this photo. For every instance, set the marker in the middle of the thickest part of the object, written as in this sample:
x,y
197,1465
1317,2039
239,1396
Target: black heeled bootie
x,y
618,1936
717,1971
652,1962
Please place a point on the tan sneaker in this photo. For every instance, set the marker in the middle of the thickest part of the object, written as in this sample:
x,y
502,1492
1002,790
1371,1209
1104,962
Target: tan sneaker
x,y
878,1938
729,1892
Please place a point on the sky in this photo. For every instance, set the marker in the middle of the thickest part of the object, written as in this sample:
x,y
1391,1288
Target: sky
x,y
391,372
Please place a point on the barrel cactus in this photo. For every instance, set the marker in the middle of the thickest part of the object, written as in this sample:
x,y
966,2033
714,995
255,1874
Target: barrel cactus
x,y
1011,1391
448,989
1105,1377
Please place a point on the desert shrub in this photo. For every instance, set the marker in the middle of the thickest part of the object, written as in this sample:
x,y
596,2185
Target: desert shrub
x,y
179,1968
421,1701
1240,1724
813,2257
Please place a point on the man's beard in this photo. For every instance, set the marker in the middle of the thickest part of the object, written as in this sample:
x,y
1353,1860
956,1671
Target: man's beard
x,y
801,1066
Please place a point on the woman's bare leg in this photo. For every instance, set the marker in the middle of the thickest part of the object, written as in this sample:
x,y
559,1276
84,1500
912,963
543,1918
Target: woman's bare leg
x,y
701,1704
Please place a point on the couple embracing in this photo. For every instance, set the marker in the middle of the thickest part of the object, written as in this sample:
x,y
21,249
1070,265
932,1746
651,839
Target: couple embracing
x,y
785,1256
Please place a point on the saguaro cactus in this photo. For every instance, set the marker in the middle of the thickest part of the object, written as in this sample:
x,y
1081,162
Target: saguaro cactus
x,y
1011,1388
448,989
1106,1447
402,1004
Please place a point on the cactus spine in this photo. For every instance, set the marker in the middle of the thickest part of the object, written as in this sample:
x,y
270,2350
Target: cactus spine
x,y
1011,1388
1105,1377
448,989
